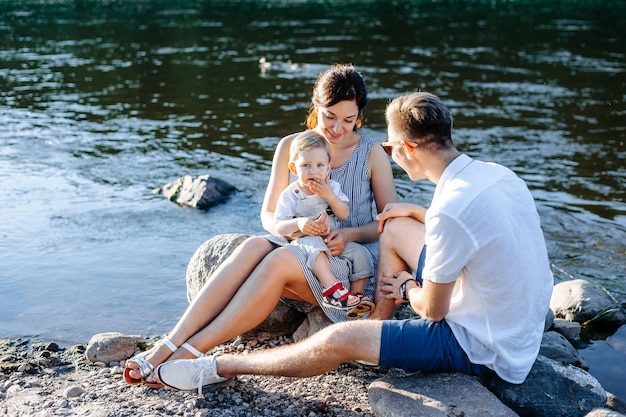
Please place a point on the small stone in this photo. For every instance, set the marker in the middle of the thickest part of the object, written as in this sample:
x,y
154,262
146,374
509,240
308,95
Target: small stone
x,y
52,347
72,392
25,367
62,403
117,370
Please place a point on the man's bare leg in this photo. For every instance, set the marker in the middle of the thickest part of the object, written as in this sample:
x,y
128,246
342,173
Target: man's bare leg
x,y
318,354
399,248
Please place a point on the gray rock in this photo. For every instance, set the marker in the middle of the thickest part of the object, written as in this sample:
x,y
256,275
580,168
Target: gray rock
x,y
579,300
551,389
112,347
556,347
201,192
315,321
434,395
569,329
72,392
208,257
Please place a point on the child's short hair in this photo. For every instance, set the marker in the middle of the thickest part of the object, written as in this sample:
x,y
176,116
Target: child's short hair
x,y
305,141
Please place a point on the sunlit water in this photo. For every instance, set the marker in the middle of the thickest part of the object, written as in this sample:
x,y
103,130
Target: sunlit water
x,y
102,101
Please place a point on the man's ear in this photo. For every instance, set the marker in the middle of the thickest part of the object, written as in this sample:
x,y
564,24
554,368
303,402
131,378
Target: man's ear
x,y
292,168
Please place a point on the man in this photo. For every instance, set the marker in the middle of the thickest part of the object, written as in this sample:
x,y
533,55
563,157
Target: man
x,y
480,278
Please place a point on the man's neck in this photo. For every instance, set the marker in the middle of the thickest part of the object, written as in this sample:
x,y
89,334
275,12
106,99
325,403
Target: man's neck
x,y
440,163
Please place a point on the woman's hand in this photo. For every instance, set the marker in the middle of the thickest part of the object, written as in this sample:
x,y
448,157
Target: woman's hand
x,y
336,241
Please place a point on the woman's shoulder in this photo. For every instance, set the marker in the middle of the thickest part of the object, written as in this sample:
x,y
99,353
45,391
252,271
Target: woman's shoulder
x,y
367,142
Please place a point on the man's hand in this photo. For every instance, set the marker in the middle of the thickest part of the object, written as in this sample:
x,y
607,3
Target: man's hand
x,y
391,286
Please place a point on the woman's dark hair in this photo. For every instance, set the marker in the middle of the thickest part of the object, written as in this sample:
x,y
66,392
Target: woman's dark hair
x,y
339,83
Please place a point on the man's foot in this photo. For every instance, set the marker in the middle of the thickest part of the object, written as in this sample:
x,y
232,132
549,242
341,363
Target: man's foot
x,y
340,298
190,374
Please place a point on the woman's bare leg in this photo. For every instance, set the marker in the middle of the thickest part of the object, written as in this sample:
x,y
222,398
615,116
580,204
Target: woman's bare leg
x,y
278,274
212,298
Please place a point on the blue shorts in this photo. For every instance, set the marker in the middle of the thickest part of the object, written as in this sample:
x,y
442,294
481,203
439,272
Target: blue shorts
x,y
420,265
424,345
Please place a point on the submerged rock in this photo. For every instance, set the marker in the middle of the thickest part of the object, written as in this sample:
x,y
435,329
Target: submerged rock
x,y
201,192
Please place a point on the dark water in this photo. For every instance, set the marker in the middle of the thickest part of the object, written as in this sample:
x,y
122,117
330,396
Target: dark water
x,y
102,101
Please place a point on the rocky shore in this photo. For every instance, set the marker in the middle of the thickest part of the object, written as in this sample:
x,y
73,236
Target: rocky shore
x,y
42,379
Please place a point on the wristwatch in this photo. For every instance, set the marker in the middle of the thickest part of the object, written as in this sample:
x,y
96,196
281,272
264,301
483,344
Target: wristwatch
x,y
402,290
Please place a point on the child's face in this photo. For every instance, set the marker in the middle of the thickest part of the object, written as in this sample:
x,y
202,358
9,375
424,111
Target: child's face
x,y
311,165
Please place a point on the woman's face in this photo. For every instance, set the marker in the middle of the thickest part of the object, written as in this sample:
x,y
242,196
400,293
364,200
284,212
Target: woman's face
x,y
337,121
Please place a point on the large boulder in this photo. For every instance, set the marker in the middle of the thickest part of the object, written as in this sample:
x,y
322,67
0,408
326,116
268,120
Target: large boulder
x,y
580,300
551,389
207,258
201,192
282,321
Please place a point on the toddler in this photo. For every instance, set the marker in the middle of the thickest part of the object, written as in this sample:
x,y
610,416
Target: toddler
x,y
311,205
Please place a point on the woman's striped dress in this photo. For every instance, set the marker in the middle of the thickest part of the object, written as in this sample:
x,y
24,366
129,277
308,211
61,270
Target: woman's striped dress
x,y
354,177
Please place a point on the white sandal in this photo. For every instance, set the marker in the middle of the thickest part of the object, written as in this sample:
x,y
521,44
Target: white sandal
x,y
192,349
145,367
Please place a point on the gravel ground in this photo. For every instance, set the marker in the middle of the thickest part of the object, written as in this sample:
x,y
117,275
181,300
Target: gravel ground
x,y
42,379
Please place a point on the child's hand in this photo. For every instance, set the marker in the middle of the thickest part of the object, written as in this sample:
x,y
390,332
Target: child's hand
x,y
321,187
322,220
309,227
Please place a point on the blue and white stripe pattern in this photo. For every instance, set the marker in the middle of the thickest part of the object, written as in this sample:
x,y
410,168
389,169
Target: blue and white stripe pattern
x,y
355,179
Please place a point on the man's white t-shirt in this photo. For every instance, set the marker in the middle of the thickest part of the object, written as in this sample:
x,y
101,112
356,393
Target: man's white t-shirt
x,y
483,227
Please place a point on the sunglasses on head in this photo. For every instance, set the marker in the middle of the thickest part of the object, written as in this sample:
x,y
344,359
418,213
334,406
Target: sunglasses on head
x,y
388,145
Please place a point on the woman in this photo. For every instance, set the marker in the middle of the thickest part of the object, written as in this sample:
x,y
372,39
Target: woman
x,y
244,290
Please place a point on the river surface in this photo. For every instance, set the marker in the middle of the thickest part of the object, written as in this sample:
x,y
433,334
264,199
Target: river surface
x,y
100,102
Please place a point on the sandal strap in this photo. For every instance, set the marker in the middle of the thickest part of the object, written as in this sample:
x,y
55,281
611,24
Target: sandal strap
x,y
192,349
145,367
330,290
167,342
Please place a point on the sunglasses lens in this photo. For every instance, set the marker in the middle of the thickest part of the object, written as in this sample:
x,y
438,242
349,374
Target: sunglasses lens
x,y
387,148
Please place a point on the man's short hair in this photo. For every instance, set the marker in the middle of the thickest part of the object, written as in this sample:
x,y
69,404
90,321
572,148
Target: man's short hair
x,y
422,118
